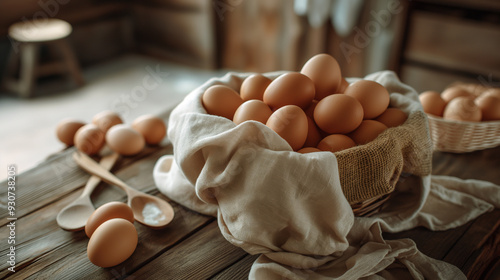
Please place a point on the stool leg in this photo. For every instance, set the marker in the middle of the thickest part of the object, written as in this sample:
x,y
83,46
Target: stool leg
x,y
29,59
12,64
71,62
9,80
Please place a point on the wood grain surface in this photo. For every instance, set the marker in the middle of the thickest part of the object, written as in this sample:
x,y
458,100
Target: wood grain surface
x,y
434,39
192,247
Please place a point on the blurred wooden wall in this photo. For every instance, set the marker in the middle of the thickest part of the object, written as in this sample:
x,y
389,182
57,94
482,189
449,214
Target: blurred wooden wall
x,y
429,43
257,35
449,41
263,36
178,30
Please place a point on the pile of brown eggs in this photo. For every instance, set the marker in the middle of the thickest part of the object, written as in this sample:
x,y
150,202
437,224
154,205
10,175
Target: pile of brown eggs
x,y
463,102
112,235
108,128
313,110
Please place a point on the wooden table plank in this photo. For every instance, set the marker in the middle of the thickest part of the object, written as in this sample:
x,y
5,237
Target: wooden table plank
x,y
42,185
435,244
238,270
69,260
470,248
199,257
487,263
50,181
36,234
481,165
41,242
465,253
42,221
460,246
43,250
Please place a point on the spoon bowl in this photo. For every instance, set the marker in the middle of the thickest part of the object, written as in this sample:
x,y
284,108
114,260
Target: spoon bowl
x,y
74,216
151,212
148,210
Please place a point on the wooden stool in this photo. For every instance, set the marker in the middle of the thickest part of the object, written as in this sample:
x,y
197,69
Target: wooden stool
x,y
28,37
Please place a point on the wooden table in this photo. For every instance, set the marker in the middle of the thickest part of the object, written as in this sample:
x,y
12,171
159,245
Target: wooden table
x,y
192,247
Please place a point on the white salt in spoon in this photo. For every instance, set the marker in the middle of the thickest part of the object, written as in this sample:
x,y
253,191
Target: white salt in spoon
x,y
74,216
148,210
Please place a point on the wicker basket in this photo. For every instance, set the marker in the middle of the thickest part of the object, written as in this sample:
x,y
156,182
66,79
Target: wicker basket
x,y
367,174
370,206
460,136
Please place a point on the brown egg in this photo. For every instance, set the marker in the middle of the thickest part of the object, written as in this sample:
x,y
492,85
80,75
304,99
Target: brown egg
x,y
106,119
367,131
221,101
392,117
313,134
492,91
462,108
89,139
338,113
252,110
310,109
489,106
290,122
66,130
432,102
112,243
108,211
307,150
289,89
152,128
125,140
454,92
373,96
324,71
343,85
336,142
475,89
253,87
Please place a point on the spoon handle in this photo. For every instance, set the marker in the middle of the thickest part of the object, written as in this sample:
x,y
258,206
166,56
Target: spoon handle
x,y
107,163
94,168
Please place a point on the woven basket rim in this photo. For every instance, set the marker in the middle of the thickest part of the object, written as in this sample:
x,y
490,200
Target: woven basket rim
x,y
467,136
370,206
441,119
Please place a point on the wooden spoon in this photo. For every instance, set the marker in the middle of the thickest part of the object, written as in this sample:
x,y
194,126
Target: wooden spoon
x,y
148,210
74,216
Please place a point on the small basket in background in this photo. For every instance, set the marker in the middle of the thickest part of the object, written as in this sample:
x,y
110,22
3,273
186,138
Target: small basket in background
x,y
460,136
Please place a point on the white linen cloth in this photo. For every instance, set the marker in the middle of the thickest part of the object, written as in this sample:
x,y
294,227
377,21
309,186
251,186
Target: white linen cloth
x,y
289,207
344,14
